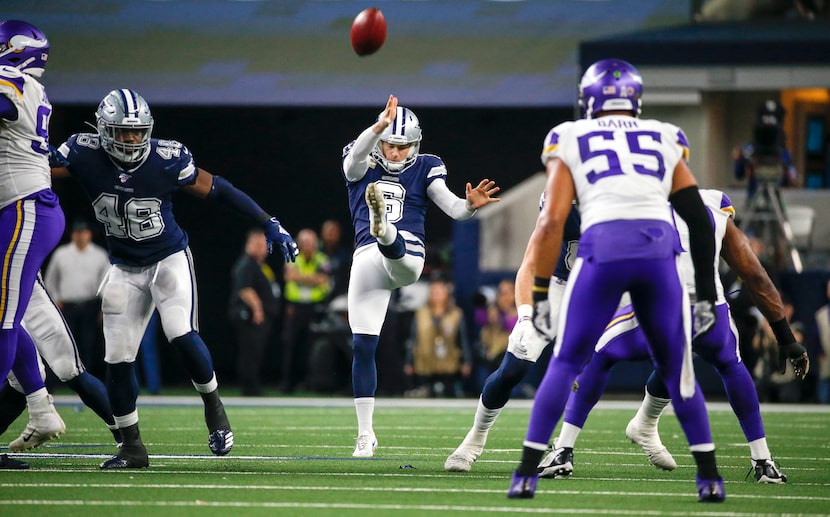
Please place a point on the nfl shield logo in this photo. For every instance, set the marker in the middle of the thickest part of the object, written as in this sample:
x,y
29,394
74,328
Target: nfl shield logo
x,y
123,177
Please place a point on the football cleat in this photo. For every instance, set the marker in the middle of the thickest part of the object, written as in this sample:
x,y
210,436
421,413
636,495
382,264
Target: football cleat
x,y
522,487
132,456
559,463
710,490
649,440
377,210
7,463
365,446
220,441
463,458
42,427
767,472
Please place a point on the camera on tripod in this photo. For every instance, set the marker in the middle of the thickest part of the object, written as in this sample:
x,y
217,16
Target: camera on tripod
x,y
766,156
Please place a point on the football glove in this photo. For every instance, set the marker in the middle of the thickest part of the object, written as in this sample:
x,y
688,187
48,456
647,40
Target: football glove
x,y
525,342
276,234
796,354
704,318
56,159
541,319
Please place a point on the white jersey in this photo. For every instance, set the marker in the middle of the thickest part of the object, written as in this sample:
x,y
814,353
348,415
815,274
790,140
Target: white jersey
x,y
622,166
24,151
720,206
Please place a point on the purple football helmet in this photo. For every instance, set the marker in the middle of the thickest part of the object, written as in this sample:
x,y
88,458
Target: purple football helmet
x,y
610,85
23,46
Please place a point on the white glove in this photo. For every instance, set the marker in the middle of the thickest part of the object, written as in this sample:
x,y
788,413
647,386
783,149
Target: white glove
x,y
704,317
525,342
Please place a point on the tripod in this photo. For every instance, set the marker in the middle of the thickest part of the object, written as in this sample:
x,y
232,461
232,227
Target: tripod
x,y
765,209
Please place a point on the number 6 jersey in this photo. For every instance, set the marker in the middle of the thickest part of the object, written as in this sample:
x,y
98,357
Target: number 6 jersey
x,y
135,206
622,166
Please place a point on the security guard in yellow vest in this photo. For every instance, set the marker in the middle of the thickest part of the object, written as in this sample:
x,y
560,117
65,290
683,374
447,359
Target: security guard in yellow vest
x,y
307,287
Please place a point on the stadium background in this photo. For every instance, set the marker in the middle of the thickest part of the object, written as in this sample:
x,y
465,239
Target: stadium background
x,y
266,93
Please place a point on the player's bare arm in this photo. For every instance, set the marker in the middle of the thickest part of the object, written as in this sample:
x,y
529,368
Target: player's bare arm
x,y
738,253
201,187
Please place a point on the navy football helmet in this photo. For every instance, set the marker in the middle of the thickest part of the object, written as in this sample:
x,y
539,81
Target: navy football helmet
x,y
23,46
124,114
404,130
610,85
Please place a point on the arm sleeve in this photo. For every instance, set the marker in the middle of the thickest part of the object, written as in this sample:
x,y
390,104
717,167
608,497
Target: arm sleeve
x,y
224,192
448,202
690,207
8,110
356,156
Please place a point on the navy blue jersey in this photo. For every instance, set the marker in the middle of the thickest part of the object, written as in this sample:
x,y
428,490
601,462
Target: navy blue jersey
x,y
570,244
134,206
570,241
405,195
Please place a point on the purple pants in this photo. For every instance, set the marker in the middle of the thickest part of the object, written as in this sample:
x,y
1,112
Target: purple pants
x,y
638,257
30,228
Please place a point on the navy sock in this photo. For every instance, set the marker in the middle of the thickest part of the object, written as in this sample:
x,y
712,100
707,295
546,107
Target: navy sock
x,y
364,369
656,387
500,383
93,394
395,250
197,358
122,388
12,405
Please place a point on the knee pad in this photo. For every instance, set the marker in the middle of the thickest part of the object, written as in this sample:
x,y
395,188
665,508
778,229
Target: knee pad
x,y
114,298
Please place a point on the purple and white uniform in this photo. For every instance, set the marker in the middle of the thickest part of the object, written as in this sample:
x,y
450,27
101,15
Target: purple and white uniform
x,y
622,169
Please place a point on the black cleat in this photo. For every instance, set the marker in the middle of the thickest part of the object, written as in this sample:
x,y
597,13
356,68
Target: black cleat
x,y
133,456
7,463
559,463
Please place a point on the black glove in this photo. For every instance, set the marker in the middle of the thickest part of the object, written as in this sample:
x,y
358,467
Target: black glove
x,y
704,317
796,354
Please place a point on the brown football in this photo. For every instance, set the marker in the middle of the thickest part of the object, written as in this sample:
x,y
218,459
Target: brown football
x,y
368,31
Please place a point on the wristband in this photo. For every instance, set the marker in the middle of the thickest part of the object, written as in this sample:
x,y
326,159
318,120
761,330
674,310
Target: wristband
x,y
525,311
540,289
783,333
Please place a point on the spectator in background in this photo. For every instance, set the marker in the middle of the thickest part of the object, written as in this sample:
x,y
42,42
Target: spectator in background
x,y
495,322
340,256
307,287
253,306
772,385
823,325
74,274
439,355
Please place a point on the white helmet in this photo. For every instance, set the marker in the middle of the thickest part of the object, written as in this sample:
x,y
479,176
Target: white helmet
x,y
124,110
404,130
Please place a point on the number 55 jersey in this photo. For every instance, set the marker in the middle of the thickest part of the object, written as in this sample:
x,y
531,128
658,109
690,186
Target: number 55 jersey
x,y
134,205
622,166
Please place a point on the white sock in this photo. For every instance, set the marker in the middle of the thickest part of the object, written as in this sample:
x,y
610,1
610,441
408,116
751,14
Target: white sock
x,y
389,235
484,420
651,409
38,401
365,408
758,449
568,435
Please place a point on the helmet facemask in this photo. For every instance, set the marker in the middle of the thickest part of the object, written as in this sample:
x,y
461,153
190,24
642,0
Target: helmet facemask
x,y
124,126
404,130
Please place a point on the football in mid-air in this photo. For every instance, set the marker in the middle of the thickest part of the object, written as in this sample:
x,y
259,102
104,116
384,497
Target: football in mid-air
x,y
368,31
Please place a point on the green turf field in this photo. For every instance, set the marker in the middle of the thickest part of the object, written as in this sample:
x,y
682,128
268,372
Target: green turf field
x,y
293,457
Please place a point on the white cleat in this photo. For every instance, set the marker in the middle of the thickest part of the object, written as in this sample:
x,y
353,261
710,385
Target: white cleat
x,y
649,440
365,446
377,210
41,428
463,458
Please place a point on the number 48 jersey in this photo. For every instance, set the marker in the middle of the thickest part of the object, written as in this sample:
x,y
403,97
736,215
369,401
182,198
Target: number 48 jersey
x,y
135,206
622,166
